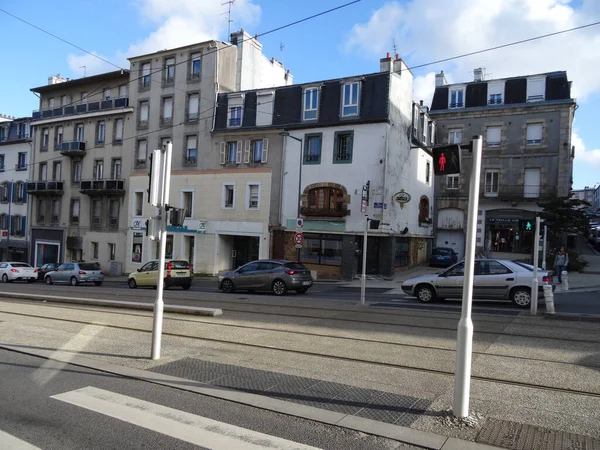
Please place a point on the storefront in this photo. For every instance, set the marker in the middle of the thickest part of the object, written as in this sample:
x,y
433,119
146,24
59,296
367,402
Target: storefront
x,y
47,245
510,231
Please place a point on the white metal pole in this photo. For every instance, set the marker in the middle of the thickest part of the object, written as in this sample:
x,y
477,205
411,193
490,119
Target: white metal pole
x,y
363,278
536,258
544,247
464,340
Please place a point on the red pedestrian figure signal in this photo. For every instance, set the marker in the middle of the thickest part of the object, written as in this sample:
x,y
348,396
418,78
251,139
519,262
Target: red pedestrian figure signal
x,y
446,160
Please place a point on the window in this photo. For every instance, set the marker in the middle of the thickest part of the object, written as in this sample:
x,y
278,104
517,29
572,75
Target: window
x,y
41,211
193,102
188,202
96,212
64,100
452,181
257,151
22,130
534,133
145,80
231,152
118,130
51,102
75,205
1,162
44,141
533,178
138,203
494,136
98,169
536,88
56,171
19,192
43,171
113,214
428,172
21,161
3,134
491,183
3,221
228,196
106,94
101,128
4,192
490,268
123,91
252,196
495,93
454,136
312,148
17,225
457,97
322,249
325,201
144,109
350,99
167,109
94,250
191,150
77,170
342,147
79,132
169,70
423,210
196,66
112,252
115,170
311,104
59,136
84,96
55,211
142,152
235,116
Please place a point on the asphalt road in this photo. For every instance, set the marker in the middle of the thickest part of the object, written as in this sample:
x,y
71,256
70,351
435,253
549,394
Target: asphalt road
x,y
49,405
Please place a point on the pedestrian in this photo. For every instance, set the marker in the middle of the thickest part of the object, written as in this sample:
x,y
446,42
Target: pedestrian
x,y
561,261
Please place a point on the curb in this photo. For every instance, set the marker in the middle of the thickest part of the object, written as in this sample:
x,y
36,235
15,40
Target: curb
x,y
399,433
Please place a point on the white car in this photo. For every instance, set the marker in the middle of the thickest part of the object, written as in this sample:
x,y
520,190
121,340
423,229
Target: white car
x,y
20,271
497,279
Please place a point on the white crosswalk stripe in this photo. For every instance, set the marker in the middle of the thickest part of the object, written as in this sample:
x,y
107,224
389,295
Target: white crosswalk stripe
x,y
177,424
9,442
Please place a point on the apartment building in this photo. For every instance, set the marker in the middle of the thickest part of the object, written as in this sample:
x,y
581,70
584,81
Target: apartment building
x,y
526,124
77,177
15,154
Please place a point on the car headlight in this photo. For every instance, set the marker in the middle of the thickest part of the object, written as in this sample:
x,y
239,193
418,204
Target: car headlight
x,y
220,277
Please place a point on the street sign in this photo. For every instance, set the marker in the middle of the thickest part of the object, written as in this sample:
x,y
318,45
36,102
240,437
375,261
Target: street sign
x,y
299,222
446,159
298,239
298,245
363,206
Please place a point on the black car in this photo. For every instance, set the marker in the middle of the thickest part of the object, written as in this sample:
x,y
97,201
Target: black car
x,y
48,267
443,257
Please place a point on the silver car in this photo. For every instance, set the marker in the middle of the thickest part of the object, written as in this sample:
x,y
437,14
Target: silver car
x,y
277,276
498,279
74,273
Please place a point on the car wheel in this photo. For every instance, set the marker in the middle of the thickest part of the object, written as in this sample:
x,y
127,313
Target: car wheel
x,y
74,281
425,293
186,287
5,278
98,283
132,284
302,290
227,286
521,296
48,280
279,288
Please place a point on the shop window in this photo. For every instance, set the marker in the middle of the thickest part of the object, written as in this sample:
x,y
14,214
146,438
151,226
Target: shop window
x,y
401,252
322,249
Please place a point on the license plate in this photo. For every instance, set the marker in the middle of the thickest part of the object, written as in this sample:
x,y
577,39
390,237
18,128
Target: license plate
x,y
180,274
92,278
306,283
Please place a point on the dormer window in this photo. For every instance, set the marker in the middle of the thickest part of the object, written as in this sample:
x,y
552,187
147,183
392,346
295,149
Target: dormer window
x,y
311,104
350,95
495,93
235,110
456,97
536,89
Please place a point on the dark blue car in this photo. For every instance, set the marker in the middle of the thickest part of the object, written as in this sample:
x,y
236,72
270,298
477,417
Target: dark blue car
x,y
443,257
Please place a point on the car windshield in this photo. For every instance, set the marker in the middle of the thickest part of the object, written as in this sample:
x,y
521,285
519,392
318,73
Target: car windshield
x,y
89,266
179,264
443,251
295,266
20,265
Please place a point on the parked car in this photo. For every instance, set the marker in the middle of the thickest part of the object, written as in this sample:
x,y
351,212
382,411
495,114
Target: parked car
x,y
46,268
443,256
277,276
499,279
75,273
177,273
17,271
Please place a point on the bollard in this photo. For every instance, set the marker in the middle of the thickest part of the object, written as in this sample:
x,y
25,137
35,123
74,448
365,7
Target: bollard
x,y
549,299
565,280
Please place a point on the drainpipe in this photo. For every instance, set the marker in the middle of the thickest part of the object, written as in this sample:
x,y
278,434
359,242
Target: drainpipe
x,y
29,232
214,118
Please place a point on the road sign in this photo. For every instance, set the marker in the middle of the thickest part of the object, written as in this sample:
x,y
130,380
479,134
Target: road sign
x,y
446,159
363,206
299,222
298,239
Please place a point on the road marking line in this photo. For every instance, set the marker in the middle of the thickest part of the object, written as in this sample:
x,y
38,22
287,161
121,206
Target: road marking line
x,y
172,422
9,442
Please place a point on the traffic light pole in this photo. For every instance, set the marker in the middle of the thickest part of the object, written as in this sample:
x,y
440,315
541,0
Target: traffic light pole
x,y
464,341
363,278
536,262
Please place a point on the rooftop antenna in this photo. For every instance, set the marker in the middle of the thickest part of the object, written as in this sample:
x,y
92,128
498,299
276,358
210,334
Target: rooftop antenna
x,y
84,70
395,47
230,5
281,47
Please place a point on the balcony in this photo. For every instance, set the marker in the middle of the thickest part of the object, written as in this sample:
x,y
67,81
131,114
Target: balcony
x,y
341,211
20,166
72,148
521,193
190,161
45,188
102,187
140,164
81,108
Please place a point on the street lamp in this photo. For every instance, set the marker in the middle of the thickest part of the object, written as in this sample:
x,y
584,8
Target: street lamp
x,y
287,134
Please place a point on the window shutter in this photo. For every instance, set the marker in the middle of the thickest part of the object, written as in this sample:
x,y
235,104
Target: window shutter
x,y
23,224
24,193
222,150
11,192
246,152
265,152
238,153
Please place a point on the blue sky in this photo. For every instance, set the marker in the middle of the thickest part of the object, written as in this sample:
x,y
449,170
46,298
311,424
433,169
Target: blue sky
x,y
346,42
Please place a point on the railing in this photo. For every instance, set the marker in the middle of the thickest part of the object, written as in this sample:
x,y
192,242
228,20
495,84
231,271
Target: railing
x,y
324,212
72,147
20,166
45,187
81,108
190,161
523,192
140,164
98,187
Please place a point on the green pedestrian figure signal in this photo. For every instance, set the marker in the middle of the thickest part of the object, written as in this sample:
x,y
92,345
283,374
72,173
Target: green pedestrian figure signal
x,y
446,159
528,226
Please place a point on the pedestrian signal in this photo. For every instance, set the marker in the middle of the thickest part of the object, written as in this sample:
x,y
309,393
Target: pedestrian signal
x,y
446,160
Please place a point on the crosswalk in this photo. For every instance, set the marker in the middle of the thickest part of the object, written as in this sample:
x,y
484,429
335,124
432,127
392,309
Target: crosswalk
x,y
10,442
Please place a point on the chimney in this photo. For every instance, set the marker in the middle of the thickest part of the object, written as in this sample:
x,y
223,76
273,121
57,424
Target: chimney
x,y
399,65
55,79
440,79
385,64
478,74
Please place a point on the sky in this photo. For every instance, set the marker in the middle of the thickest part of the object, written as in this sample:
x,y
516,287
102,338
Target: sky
x,y
346,42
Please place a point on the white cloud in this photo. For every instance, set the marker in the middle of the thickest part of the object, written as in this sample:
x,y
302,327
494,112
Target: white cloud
x,y
178,23
583,156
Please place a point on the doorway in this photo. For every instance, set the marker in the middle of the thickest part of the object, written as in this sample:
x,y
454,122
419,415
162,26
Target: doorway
x,y
245,249
372,255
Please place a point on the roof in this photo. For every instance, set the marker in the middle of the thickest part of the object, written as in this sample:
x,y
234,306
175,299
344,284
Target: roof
x,y
183,47
123,73
556,73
